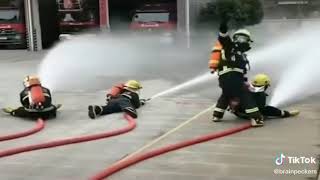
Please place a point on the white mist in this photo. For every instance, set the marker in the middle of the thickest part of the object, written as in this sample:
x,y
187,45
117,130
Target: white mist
x,y
292,61
299,77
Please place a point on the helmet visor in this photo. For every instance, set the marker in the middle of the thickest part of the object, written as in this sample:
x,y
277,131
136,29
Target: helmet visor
x,y
255,89
242,38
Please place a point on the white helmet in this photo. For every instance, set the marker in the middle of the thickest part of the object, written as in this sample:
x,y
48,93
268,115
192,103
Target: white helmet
x,y
244,34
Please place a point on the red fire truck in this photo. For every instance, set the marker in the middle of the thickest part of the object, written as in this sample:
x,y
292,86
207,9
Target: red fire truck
x,y
151,17
78,15
12,24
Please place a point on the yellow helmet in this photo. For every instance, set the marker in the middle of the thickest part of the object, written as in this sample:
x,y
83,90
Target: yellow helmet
x,y
261,80
31,81
133,84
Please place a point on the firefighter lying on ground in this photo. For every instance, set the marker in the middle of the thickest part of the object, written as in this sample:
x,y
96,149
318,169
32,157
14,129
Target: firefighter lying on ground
x,y
121,98
229,60
35,100
257,88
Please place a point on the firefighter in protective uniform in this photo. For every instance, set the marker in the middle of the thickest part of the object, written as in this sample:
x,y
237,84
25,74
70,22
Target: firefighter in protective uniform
x,y
257,88
36,101
121,98
229,60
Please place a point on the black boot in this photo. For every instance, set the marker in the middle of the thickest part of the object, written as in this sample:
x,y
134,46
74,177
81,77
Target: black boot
x,y
217,115
131,111
285,114
94,111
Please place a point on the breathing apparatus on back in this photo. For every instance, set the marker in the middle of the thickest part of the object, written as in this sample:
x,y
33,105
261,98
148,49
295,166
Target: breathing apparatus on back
x,y
35,92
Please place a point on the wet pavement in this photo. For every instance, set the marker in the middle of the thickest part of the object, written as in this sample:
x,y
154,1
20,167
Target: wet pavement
x,y
248,155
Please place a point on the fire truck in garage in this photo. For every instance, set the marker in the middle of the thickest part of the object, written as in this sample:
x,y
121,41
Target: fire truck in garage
x,y
74,16
159,19
156,16
13,31
78,15
12,24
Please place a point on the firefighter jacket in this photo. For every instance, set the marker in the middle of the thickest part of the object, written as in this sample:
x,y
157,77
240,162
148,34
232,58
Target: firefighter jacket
x,y
119,92
226,58
260,99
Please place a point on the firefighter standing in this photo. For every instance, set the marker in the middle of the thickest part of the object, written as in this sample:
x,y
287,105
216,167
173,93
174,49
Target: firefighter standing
x,y
228,58
257,88
35,100
121,98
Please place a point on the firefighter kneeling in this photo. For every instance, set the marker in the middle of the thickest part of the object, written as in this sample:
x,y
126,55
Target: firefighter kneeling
x,y
257,88
121,98
35,100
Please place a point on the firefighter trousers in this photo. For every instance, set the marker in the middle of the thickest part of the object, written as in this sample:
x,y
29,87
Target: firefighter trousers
x,y
119,105
25,113
235,93
267,111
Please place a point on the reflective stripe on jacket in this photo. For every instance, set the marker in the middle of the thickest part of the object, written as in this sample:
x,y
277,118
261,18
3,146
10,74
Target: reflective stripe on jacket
x,y
226,69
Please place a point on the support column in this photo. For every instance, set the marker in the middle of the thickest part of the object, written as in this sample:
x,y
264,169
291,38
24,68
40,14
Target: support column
x,y
188,22
104,15
33,25
183,13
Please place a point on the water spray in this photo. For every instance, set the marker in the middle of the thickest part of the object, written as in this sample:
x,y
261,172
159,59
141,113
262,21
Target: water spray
x,y
78,64
299,79
98,62
203,78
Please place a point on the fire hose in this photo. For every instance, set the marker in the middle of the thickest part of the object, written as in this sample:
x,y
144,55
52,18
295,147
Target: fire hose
x,y
131,125
39,126
126,162
118,166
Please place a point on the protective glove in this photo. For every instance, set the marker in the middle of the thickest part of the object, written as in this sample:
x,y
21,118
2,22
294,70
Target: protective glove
x,y
143,101
212,70
223,26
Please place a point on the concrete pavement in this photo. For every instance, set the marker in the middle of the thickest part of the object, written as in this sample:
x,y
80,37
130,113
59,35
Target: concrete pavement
x,y
246,155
